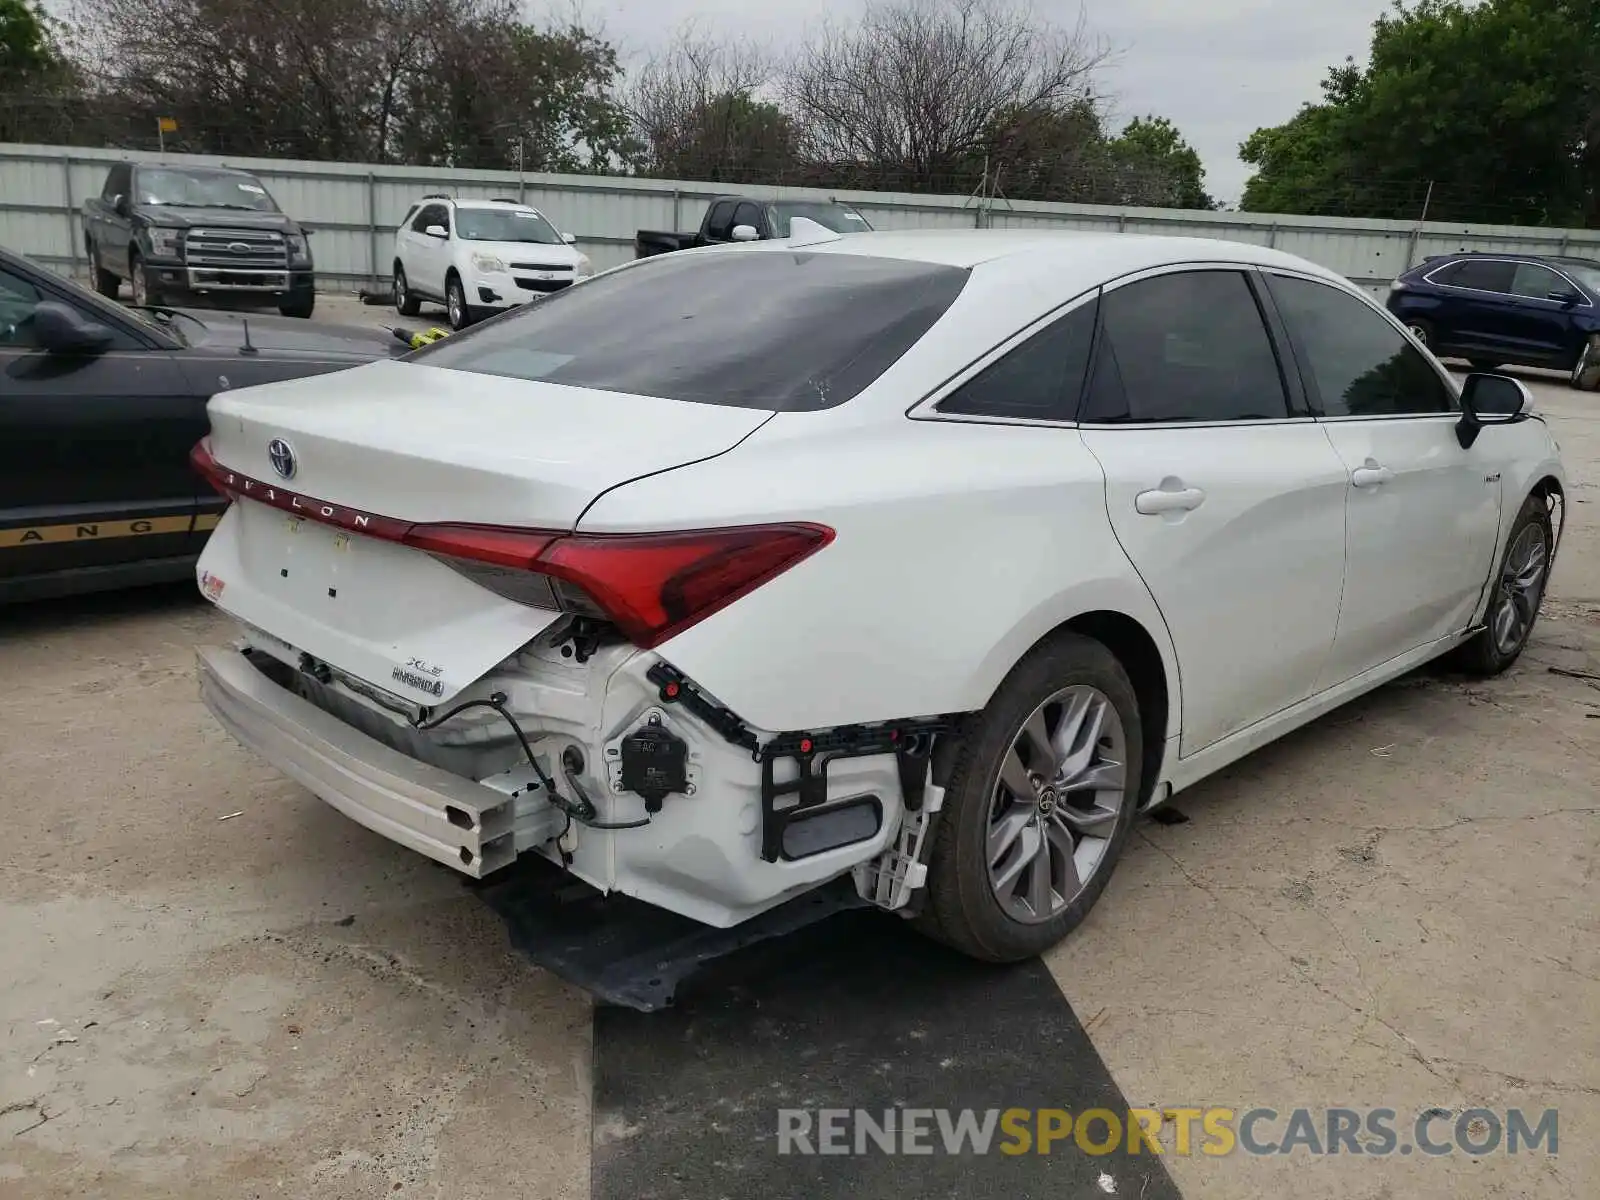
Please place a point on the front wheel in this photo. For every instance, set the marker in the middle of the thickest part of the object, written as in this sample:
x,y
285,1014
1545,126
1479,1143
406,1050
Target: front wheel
x,y
299,304
406,302
1422,331
1518,592
1038,805
1586,371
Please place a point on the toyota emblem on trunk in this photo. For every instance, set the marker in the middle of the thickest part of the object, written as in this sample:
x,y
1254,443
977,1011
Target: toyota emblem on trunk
x,y
282,456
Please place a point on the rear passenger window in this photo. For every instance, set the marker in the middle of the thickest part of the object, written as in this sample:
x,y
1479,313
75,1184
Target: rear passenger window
x,y
1484,275
1358,364
1184,347
1040,380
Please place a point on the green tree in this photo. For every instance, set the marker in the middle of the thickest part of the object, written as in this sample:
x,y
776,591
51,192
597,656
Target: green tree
x,y
1155,154
1496,105
36,77
27,44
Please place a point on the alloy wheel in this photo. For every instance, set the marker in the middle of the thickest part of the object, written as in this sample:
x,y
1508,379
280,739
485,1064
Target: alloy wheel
x,y
1521,588
141,295
1056,803
456,306
1419,332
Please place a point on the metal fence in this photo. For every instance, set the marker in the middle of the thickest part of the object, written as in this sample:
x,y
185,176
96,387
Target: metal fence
x,y
355,207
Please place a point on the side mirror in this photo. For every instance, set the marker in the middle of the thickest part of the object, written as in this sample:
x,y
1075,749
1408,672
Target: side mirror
x,y
570,239
1490,400
1563,297
437,231
121,207
60,329
307,230
745,233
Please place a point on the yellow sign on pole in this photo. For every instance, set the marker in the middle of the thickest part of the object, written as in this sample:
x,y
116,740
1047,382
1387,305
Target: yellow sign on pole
x,y
167,124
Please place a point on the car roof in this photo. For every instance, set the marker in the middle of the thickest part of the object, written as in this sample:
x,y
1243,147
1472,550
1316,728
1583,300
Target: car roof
x,y
193,169
1097,256
1509,255
514,205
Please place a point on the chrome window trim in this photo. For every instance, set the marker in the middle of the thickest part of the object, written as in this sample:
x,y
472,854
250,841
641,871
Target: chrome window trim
x,y
1516,262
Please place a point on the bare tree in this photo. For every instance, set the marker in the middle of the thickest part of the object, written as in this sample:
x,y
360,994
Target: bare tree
x,y
697,107
920,87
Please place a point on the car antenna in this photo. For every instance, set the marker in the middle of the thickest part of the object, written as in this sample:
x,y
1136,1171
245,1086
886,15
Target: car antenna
x,y
247,348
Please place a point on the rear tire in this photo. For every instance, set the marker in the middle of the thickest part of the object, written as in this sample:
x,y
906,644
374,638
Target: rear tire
x,y
1002,886
1423,332
405,300
1519,587
455,304
143,293
105,282
1586,371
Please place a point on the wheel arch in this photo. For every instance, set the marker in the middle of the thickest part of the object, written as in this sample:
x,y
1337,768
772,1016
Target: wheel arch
x,y
1150,668
1550,490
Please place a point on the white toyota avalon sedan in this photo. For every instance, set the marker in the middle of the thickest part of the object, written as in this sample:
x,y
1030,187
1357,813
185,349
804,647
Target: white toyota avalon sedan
x,y
930,558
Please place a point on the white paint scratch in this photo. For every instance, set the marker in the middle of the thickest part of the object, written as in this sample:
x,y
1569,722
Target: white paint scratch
x,y
1108,1185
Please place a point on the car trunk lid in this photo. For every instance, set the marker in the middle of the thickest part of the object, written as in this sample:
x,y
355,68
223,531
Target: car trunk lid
x,y
401,444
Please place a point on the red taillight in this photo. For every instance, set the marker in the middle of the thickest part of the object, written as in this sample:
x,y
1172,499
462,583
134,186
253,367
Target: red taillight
x,y
482,543
650,585
653,586
200,459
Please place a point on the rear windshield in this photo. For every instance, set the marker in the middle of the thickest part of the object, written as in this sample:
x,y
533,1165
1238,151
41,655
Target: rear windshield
x,y
787,331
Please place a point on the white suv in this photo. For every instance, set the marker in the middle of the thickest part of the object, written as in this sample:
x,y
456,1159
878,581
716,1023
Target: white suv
x,y
477,257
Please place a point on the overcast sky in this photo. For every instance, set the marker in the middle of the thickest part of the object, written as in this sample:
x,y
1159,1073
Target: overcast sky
x,y
1219,68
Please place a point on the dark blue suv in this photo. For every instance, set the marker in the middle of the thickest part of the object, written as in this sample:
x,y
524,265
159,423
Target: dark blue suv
x,y
1506,308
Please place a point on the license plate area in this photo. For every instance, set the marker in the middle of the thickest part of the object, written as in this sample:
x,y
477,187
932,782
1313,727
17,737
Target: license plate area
x,y
385,613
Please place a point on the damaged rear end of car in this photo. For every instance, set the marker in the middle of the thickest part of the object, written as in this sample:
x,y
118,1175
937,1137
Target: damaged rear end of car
x,y
434,641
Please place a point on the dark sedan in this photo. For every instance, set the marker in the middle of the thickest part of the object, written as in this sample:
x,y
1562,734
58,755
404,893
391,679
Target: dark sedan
x,y
1506,308
99,407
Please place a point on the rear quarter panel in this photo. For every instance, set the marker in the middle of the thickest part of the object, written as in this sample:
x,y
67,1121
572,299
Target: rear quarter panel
x,y
958,547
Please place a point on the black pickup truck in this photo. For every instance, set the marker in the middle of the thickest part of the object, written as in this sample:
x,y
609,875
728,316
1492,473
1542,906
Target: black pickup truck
x,y
180,232
99,408
727,215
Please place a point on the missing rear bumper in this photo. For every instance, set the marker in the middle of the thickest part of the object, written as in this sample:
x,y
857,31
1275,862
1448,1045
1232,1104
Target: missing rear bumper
x,y
468,826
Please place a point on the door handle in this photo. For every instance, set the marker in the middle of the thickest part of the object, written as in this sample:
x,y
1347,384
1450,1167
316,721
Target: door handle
x,y
1370,475
1160,500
